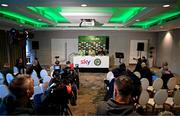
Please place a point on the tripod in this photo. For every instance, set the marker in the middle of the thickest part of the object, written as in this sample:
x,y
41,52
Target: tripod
x,y
120,61
139,53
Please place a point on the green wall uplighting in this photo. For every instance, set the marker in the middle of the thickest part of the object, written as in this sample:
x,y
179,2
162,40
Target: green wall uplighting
x,y
159,19
122,15
50,13
22,19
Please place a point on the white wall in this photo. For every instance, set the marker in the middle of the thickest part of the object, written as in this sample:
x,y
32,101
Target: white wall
x,y
137,54
119,41
63,48
169,49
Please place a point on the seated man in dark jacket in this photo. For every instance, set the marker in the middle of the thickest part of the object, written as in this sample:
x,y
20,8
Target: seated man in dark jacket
x,y
121,103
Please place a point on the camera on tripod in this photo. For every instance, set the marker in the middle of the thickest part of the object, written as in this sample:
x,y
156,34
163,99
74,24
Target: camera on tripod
x,y
57,67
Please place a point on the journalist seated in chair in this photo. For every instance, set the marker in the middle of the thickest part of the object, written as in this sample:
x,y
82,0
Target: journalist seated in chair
x,y
121,103
18,102
166,74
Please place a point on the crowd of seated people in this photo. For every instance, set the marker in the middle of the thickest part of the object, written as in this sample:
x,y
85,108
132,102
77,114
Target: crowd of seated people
x,y
143,69
122,70
114,102
124,90
53,99
121,103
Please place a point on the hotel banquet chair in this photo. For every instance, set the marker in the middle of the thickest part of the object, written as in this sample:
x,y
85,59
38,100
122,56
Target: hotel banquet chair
x,y
174,102
34,73
46,79
159,99
171,85
35,78
109,76
15,70
9,77
137,74
157,84
1,78
144,83
143,99
108,79
4,91
43,73
37,90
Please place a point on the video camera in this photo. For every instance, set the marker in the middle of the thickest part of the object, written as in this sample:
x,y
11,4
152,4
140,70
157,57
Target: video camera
x,y
57,67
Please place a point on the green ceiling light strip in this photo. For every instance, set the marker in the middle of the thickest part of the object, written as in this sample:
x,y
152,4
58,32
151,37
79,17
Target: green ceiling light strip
x,y
88,9
50,13
122,15
22,19
159,19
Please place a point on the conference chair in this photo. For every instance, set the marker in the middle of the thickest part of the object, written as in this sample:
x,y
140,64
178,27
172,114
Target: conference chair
x,y
1,78
35,78
9,77
171,85
157,84
109,76
4,91
144,83
174,102
15,70
157,102
143,99
137,74
43,73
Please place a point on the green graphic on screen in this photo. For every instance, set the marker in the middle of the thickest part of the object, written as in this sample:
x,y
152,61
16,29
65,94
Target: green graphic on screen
x,y
94,43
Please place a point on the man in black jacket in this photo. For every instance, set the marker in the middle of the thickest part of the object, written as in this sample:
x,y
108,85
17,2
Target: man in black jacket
x,y
120,104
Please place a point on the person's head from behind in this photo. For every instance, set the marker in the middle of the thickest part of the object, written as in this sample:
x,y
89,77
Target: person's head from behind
x,y
123,88
22,87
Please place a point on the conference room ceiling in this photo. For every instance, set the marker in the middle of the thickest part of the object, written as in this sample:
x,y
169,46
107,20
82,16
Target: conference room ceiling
x,y
145,15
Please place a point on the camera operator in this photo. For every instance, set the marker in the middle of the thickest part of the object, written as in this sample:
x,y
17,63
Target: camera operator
x,y
55,100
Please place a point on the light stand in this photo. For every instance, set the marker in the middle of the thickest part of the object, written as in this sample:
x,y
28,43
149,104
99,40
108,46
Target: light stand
x,y
119,60
120,56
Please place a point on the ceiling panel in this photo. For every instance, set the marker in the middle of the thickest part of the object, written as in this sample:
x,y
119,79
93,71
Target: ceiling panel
x,y
117,14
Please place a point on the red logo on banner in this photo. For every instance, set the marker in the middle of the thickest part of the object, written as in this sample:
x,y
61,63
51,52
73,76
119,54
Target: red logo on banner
x,y
85,61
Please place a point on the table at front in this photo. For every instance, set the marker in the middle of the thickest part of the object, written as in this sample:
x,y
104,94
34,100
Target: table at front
x,y
91,61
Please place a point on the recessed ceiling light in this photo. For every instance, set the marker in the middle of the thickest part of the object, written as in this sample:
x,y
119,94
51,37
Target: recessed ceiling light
x,y
83,5
166,5
137,20
5,5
